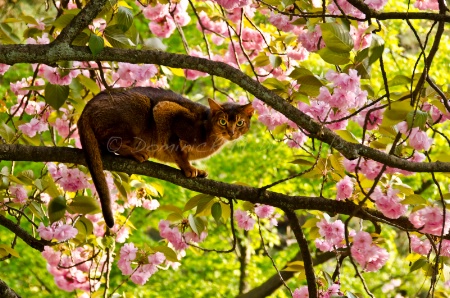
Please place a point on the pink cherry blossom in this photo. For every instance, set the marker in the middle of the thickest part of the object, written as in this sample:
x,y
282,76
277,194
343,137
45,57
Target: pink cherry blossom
x,y
361,38
34,127
264,211
370,256
344,188
244,220
311,39
232,4
163,28
376,4
3,68
128,252
389,203
431,220
333,234
125,266
298,53
373,120
281,21
419,246
419,140
370,168
52,256
427,4
156,259
173,235
45,233
64,232
297,140
18,193
150,204
157,12
301,292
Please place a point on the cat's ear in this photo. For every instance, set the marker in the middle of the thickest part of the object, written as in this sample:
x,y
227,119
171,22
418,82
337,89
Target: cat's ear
x,y
214,106
248,109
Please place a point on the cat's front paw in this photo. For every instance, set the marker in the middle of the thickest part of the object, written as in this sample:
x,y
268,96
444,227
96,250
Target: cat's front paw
x,y
193,172
141,156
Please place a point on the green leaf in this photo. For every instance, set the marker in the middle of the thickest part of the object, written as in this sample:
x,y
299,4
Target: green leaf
x,y
63,20
261,60
56,95
84,205
336,37
56,208
124,17
89,83
168,252
347,136
37,210
117,38
6,132
193,224
10,250
376,48
418,264
81,40
50,187
309,84
417,119
332,57
302,162
84,227
397,113
216,211
399,80
194,201
413,199
29,19
275,60
96,44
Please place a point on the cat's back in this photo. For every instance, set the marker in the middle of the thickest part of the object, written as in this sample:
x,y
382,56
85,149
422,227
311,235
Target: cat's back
x,y
156,95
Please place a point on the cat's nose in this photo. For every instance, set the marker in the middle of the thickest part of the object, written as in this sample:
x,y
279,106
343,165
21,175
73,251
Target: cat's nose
x,y
231,133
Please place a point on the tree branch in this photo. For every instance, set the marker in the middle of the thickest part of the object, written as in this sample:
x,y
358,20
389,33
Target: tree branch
x,y
79,22
22,234
206,186
7,292
11,54
273,283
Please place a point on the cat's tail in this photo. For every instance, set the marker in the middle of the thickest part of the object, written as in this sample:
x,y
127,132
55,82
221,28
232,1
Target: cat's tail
x,y
93,158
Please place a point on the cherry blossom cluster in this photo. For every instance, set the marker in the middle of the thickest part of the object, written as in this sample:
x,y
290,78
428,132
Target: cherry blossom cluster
x,y
164,18
146,264
58,231
333,291
69,179
389,203
179,241
431,220
73,271
333,234
246,221
18,193
370,256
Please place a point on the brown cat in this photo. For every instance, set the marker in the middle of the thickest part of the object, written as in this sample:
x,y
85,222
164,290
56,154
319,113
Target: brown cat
x,y
146,122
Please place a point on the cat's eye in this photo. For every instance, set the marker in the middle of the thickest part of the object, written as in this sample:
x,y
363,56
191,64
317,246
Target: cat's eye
x,y
223,122
240,123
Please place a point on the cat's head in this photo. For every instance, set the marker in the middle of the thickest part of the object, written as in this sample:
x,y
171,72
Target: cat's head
x,y
230,120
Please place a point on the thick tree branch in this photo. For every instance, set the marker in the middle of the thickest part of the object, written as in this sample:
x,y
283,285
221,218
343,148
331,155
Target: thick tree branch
x,y
80,21
7,292
11,54
206,186
22,234
273,283
304,249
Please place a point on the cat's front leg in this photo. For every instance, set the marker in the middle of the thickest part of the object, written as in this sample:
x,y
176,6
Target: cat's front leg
x,y
180,155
